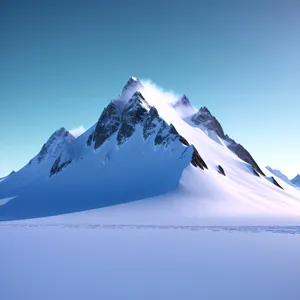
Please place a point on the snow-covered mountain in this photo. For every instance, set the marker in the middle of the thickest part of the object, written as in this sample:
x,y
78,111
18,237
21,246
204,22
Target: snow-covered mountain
x,y
296,181
146,143
279,174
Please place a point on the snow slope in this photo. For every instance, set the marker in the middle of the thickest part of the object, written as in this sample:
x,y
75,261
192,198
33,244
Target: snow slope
x,y
142,146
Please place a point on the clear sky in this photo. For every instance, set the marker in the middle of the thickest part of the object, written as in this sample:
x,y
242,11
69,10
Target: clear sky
x,y
62,61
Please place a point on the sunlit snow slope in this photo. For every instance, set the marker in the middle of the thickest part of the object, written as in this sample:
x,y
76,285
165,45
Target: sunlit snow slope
x,y
147,143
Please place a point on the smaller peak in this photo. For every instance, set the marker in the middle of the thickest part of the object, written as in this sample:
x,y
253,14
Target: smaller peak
x,y
137,100
132,84
183,101
205,110
62,131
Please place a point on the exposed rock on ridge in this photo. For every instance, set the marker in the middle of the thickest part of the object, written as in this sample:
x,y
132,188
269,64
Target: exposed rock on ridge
x,y
204,118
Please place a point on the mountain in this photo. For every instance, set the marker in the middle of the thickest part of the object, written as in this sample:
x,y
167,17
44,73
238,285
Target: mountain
x,y
209,124
279,174
296,181
146,143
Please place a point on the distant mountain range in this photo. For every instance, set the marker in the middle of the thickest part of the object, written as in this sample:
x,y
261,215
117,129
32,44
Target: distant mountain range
x,y
146,143
295,181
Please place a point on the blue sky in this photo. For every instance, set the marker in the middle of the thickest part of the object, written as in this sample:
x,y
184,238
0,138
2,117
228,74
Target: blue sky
x,y
62,61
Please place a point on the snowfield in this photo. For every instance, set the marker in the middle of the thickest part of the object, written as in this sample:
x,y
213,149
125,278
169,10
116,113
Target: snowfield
x,y
45,260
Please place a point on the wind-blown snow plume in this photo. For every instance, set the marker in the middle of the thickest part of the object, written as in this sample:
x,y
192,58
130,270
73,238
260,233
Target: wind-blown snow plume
x,y
77,131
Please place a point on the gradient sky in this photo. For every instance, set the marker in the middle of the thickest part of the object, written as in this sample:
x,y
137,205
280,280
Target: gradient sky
x,y
62,61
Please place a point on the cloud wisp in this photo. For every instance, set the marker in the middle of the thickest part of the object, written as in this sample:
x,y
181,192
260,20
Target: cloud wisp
x,y
77,131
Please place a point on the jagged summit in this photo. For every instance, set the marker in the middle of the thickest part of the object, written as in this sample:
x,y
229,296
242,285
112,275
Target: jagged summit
x,y
62,131
55,144
183,101
205,110
132,85
205,119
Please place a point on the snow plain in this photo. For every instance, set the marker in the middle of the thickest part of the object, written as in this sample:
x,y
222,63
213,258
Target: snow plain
x,y
43,259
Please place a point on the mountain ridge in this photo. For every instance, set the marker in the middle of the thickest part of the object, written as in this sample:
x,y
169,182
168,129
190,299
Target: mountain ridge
x,y
144,144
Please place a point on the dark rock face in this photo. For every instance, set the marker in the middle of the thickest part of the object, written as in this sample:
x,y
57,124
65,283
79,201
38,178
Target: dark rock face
x,y
221,170
136,112
243,154
204,118
166,135
57,166
197,160
133,114
107,125
151,123
255,172
90,139
183,141
273,180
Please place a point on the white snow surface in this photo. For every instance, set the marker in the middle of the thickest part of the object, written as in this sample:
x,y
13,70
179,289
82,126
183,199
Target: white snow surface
x,y
40,260
137,170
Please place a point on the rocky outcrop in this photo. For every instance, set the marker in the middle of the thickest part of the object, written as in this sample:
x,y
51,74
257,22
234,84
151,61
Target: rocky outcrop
x,y
57,166
221,170
166,135
133,114
273,180
152,122
197,160
90,139
107,125
205,119
243,154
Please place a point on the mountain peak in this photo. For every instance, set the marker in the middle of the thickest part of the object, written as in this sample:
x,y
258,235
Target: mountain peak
x,y
55,143
205,110
183,101
204,118
60,132
132,85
